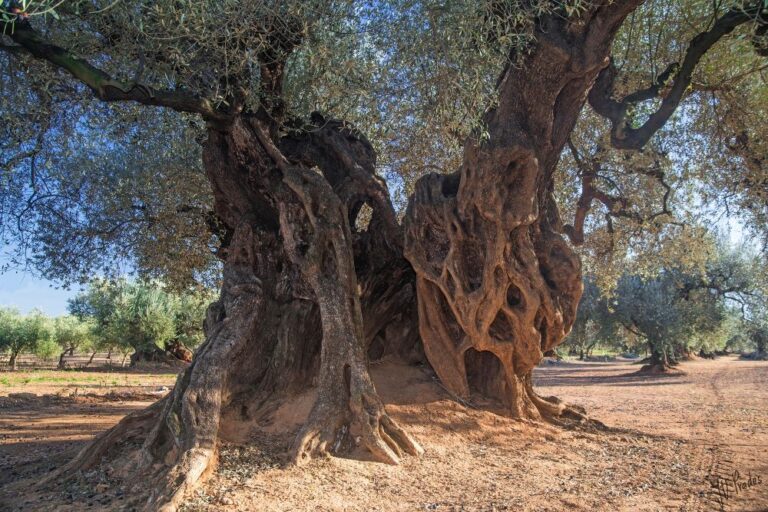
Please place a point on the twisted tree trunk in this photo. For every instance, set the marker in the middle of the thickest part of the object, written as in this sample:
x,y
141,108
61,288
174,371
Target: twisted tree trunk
x,y
290,316
498,286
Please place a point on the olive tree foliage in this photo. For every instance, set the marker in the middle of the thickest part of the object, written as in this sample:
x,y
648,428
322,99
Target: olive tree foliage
x,y
10,320
141,316
31,333
415,76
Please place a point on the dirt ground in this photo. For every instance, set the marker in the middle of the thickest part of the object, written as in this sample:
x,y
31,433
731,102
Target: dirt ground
x,y
670,439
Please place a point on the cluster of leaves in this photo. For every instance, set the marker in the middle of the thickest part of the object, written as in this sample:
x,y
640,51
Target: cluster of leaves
x,y
91,196
142,316
14,10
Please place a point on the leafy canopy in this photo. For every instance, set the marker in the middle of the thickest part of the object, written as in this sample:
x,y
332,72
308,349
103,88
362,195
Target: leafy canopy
x,y
94,188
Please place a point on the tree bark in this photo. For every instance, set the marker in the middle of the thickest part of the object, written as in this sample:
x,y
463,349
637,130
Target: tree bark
x,y
12,361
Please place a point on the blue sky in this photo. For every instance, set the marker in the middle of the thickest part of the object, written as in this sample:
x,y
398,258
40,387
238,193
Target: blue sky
x,y
24,291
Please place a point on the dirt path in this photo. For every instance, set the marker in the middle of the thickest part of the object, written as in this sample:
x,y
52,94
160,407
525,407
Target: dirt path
x,y
671,437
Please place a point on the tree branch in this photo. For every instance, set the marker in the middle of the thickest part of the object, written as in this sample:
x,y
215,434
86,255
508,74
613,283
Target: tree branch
x,y
103,85
623,135
616,205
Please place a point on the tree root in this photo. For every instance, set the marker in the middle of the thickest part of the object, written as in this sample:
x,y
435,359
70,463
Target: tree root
x,y
334,429
178,480
385,439
556,411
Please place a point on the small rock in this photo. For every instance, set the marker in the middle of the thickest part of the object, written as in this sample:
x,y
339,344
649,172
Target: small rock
x,y
102,487
226,500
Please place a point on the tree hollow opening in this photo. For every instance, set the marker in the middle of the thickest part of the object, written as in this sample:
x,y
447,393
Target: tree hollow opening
x,y
485,375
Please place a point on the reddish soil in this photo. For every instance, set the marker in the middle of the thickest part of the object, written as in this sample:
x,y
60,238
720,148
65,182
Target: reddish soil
x,y
669,438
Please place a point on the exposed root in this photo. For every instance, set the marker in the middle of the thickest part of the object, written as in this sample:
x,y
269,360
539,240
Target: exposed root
x,y
385,439
325,432
556,411
371,427
178,480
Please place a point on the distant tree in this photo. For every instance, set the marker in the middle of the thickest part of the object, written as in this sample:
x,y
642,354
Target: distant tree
x,y
10,320
46,349
595,323
756,334
679,312
30,333
71,334
96,305
143,317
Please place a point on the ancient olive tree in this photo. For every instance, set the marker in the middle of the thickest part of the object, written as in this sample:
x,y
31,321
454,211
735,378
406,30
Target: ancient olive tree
x,y
481,269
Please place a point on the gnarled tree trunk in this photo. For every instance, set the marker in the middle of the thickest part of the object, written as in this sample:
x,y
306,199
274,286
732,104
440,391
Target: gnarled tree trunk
x,y
497,283
290,317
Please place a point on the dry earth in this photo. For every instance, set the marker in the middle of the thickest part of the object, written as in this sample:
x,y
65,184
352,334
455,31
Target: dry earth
x,y
670,438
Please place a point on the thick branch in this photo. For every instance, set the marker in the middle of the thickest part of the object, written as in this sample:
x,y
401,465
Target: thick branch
x,y
623,135
103,85
616,205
